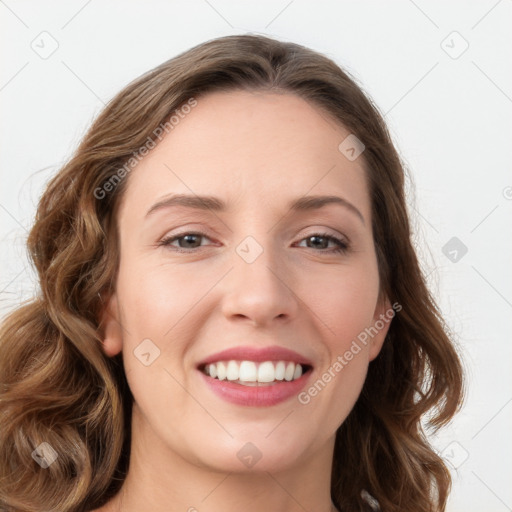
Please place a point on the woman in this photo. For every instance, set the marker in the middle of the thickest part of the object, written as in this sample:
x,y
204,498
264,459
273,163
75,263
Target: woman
x,y
232,313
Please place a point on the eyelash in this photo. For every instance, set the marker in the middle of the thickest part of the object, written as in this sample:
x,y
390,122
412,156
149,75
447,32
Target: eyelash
x,y
342,246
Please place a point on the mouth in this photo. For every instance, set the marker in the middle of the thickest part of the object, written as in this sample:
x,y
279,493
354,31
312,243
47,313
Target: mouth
x,y
255,384
255,376
253,373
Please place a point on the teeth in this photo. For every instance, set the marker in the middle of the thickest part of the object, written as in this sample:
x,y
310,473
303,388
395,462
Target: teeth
x,y
280,369
248,371
221,370
290,370
251,372
233,370
266,372
212,370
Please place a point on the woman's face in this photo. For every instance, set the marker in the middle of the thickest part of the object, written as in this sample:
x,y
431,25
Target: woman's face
x,y
255,273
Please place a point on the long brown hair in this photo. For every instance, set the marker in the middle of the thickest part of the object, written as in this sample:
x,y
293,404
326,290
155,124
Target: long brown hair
x,y
58,387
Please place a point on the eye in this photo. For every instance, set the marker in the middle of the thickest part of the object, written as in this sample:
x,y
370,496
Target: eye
x,y
321,240
190,241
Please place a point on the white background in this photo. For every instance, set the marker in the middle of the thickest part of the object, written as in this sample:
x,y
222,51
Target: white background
x,y
450,118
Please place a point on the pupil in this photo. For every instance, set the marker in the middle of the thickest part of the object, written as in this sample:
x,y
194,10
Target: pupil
x,y
316,238
188,237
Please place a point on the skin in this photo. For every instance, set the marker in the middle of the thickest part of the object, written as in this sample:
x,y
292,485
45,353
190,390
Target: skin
x,y
256,151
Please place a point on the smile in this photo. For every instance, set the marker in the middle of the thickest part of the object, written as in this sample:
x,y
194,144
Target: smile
x,y
251,373
266,385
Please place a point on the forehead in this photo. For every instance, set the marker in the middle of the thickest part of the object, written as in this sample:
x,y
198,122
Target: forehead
x,y
251,146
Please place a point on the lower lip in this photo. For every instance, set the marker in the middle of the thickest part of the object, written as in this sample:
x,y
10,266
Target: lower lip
x,y
256,396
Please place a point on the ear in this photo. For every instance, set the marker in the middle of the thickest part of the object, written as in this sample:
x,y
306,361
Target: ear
x,y
110,327
382,317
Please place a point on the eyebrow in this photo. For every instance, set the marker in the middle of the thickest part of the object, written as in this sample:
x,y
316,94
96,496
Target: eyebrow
x,y
305,203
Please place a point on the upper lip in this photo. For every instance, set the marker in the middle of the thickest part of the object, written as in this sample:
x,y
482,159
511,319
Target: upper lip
x,y
272,353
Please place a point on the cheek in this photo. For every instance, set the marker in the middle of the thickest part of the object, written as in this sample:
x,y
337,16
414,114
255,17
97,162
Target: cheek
x,y
347,385
157,307
345,303
157,299
159,303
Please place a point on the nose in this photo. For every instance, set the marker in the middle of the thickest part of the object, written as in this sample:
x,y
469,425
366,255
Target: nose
x,y
260,292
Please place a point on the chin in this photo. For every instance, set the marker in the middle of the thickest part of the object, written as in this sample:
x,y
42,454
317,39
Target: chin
x,y
259,454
